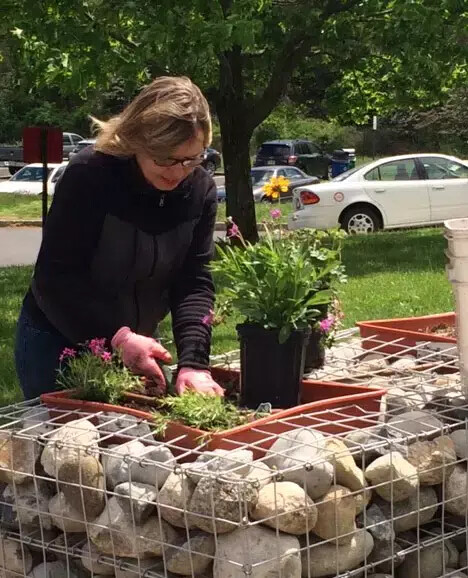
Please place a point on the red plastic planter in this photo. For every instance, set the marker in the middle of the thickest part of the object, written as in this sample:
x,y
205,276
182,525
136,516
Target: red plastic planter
x,y
408,331
319,401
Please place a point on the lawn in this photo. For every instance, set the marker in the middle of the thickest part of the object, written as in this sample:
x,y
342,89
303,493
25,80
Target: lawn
x,y
28,207
394,274
262,210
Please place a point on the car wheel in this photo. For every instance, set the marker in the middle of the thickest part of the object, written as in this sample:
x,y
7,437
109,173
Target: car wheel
x,y
210,166
360,221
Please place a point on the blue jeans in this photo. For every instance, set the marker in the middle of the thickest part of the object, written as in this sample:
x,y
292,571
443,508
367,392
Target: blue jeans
x,y
37,353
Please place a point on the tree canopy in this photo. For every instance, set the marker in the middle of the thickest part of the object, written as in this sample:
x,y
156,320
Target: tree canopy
x,y
245,54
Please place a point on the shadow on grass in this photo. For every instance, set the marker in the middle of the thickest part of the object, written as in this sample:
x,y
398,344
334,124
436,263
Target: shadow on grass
x,y
405,251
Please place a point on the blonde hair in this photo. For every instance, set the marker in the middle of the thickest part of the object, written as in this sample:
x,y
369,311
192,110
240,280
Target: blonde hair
x,y
165,114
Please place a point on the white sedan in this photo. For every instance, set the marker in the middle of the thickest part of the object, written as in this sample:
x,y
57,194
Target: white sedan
x,y
403,191
28,180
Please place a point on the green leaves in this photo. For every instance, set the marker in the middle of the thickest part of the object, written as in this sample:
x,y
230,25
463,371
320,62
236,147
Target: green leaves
x,y
284,334
204,412
282,280
96,379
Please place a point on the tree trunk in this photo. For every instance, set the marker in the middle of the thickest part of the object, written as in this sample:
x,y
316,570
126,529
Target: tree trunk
x,y
236,132
239,197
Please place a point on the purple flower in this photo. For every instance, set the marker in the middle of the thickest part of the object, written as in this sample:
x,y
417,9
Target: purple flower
x,y
209,319
106,356
275,213
327,324
233,231
67,352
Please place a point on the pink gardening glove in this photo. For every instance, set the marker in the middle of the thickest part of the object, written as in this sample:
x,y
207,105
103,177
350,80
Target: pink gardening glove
x,y
198,380
139,353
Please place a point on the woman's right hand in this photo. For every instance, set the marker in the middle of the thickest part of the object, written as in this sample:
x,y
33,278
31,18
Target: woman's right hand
x,y
139,353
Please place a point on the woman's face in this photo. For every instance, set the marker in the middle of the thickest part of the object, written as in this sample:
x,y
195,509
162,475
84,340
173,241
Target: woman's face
x,y
166,178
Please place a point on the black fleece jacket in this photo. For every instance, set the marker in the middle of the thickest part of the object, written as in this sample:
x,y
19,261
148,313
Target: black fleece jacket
x,y
116,251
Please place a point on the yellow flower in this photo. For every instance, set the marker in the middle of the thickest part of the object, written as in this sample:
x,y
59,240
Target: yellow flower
x,y
275,186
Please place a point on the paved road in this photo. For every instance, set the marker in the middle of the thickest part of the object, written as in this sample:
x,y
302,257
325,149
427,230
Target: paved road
x,y
219,180
20,245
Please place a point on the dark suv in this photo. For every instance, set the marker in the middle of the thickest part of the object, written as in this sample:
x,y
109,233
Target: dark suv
x,y
303,154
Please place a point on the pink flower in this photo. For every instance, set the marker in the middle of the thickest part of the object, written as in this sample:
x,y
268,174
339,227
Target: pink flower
x,y
106,356
96,346
233,231
327,324
67,352
275,213
209,319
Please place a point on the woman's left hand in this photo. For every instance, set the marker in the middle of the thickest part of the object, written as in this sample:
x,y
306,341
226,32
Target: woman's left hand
x,y
198,380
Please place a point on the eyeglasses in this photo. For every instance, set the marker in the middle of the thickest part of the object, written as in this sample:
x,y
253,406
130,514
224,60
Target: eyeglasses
x,y
188,162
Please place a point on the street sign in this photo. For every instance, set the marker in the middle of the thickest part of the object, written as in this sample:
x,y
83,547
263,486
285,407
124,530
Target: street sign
x,y
33,145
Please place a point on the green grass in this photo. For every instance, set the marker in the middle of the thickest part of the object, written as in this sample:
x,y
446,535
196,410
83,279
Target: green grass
x,y
262,210
13,284
25,207
29,207
394,274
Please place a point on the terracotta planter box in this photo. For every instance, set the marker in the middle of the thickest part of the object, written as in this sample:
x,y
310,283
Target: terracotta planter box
x,y
408,330
319,399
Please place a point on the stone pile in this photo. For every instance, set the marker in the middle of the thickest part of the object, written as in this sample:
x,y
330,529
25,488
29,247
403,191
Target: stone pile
x,y
314,506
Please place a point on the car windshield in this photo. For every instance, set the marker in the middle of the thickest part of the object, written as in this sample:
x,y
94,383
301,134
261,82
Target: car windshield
x,y
261,176
29,174
347,174
274,150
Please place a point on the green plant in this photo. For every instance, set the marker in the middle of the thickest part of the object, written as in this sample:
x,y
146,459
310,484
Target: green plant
x,y
204,412
326,246
95,373
278,283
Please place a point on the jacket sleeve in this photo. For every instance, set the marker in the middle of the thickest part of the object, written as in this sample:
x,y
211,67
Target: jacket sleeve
x,y
62,283
192,296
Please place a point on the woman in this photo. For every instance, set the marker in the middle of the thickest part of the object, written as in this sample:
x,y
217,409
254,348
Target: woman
x,y
128,239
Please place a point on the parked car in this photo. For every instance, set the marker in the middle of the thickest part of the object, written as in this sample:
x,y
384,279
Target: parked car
x,y
28,180
12,156
305,155
86,142
261,175
212,160
402,191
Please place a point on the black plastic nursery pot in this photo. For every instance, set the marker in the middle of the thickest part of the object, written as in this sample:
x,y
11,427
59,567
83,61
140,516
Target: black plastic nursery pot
x,y
315,351
271,371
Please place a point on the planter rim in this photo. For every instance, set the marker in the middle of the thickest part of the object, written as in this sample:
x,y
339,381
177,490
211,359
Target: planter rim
x,y
398,319
382,326
62,400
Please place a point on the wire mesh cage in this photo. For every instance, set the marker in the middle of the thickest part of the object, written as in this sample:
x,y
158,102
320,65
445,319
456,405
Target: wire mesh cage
x,y
345,492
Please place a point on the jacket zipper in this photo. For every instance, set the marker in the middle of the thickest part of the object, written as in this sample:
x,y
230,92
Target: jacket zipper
x,y
135,291
161,200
